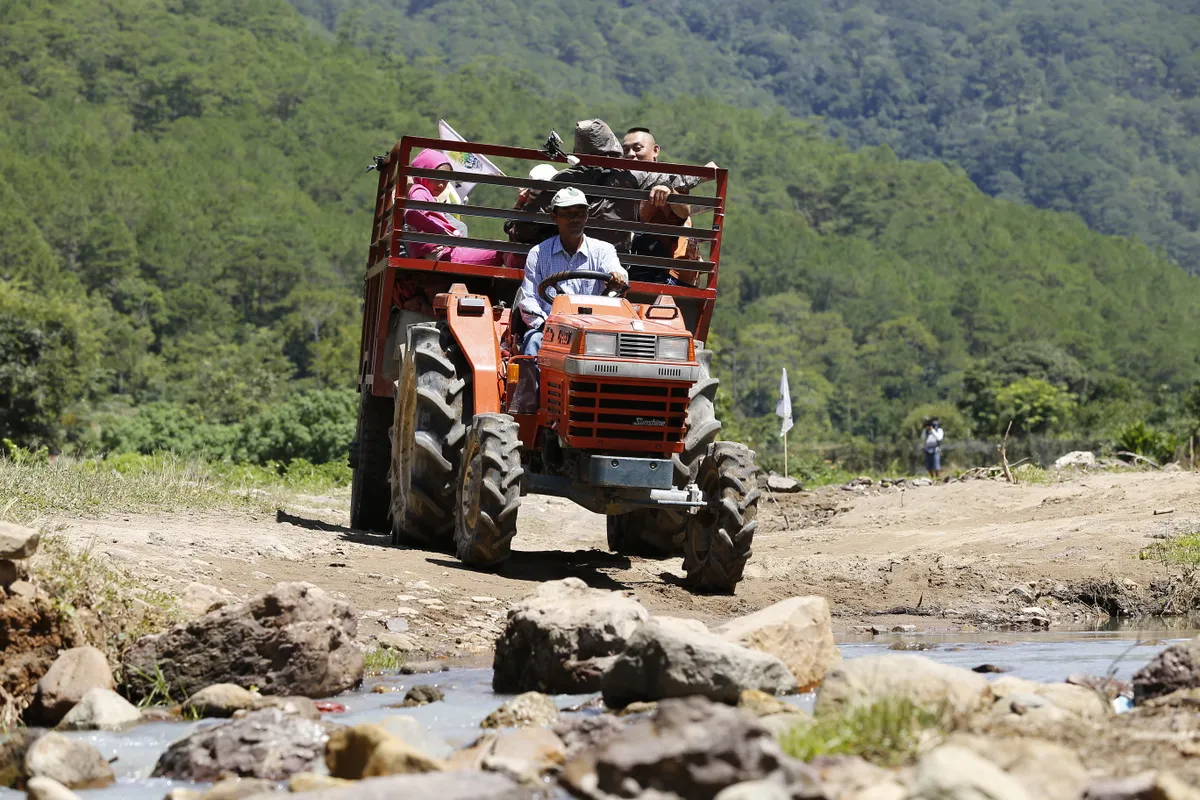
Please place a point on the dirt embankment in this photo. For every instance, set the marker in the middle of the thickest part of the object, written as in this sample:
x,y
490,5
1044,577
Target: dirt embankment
x,y
972,553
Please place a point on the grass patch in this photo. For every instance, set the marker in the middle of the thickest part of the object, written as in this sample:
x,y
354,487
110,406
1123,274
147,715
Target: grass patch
x,y
32,487
1176,550
888,732
113,607
379,660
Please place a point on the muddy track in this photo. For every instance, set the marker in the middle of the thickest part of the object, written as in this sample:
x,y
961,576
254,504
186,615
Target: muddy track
x,y
979,553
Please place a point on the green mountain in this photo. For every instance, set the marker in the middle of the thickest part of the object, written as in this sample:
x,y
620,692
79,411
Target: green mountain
x,y
186,219
1089,106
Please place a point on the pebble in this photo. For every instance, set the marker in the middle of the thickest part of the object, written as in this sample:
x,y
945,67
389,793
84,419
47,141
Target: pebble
x,y
482,599
397,625
405,598
430,601
408,610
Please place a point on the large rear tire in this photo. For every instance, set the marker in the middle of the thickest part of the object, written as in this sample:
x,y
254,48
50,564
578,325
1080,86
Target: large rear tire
x,y
660,532
370,500
720,534
433,400
489,491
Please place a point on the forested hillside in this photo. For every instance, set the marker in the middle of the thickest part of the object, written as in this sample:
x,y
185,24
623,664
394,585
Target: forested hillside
x,y
1084,105
186,218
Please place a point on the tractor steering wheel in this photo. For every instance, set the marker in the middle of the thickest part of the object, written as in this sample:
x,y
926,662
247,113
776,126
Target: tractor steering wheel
x,y
612,287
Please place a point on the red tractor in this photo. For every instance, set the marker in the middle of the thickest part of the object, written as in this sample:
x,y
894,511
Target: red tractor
x,y
615,412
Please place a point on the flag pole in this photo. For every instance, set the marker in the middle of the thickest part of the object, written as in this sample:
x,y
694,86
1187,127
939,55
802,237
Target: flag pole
x,y
786,473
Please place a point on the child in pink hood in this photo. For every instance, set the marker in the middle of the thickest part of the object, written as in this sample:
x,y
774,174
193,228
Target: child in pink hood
x,y
427,189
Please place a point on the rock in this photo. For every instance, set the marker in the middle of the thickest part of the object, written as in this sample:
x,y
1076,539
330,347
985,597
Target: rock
x,y
761,704
1146,786
580,734
367,751
692,748
72,675
72,762
422,694
198,599
855,777
303,707
955,773
1046,770
1076,458
1177,667
670,658
783,484
526,753
219,700
295,639
12,755
798,631
18,542
267,744
226,789
563,638
417,735
472,785
922,681
530,708
397,641
311,782
47,789
423,667
754,790
1077,700
101,710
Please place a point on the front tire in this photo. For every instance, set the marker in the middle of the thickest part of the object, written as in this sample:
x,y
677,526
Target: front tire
x,y
720,534
432,402
489,491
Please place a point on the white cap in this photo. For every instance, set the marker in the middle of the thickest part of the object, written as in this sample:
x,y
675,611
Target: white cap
x,y
570,196
543,172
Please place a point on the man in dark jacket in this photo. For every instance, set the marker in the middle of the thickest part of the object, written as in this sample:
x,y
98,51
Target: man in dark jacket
x,y
593,137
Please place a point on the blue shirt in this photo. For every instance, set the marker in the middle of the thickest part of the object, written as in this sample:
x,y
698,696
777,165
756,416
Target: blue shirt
x,y
548,258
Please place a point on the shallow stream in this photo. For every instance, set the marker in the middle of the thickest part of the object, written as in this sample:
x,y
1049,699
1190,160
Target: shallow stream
x,y
1049,656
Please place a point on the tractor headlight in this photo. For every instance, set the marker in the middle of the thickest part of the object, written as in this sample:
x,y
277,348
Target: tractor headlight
x,y
600,344
673,348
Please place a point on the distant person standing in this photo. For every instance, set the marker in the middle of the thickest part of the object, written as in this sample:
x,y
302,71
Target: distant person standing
x,y
932,437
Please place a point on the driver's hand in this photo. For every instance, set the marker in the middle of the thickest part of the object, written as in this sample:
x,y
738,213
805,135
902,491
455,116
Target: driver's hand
x,y
659,195
620,275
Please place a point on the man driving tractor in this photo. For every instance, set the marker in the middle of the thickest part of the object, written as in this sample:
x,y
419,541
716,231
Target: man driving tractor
x,y
571,249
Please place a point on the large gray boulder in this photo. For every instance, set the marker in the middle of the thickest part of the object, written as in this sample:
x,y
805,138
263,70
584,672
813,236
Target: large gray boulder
x,y
1175,668
293,640
692,748
72,675
72,762
563,638
268,744
922,681
798,631
669,657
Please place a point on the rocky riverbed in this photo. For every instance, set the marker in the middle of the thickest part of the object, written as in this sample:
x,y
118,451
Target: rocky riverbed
x,y
590,695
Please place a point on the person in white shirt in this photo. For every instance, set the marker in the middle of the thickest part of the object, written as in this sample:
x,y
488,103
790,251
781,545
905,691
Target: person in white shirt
x,y
569,250
932,444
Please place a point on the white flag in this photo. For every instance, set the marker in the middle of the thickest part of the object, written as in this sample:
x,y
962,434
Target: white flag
x,y
784,409
465,162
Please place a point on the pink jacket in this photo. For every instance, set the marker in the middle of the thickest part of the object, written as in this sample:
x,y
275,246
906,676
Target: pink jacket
x,y
426,221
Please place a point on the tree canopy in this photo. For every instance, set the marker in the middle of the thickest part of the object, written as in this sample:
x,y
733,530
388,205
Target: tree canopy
x,y
186,227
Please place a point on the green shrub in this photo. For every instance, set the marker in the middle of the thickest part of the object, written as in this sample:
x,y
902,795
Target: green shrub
x,y
888,732
1144,440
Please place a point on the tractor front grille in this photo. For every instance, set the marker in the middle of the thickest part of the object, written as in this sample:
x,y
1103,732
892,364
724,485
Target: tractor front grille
x,y
637,345
616,415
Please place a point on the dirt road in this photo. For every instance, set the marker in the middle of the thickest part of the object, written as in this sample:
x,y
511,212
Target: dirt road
x,y
962,554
